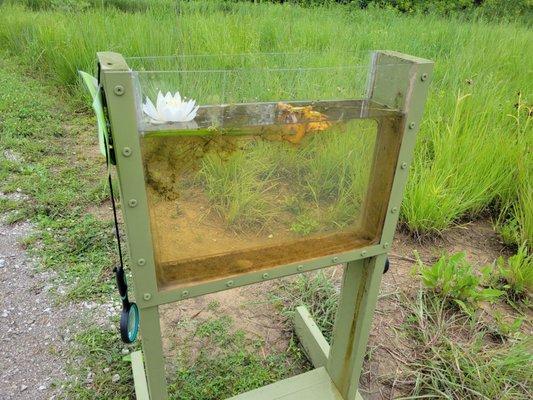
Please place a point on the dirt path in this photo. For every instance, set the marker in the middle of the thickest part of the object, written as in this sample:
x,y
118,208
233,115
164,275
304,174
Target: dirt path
x,y
33,332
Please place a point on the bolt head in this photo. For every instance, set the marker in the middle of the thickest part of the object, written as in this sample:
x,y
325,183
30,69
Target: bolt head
x,y
185,293
229,283
385,245
300,268
363,253
404,165
126,152
141,261
412,125
132,203
424,77
119,90
147,296
394,210
265,275
335,259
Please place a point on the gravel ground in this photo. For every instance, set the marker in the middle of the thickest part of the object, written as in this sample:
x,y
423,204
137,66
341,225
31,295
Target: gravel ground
x,y
34,330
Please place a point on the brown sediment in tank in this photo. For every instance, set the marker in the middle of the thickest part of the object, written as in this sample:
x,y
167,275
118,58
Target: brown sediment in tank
x,y
254,259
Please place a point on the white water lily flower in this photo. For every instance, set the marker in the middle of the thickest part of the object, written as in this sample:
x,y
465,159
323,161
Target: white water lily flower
x,y
170,109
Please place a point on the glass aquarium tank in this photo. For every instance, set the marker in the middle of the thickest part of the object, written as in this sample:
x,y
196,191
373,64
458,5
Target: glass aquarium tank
x,y
259,160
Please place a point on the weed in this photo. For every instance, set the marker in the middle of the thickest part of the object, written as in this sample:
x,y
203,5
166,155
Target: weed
x,y
453,279
453,361
517,273
314,291
304,225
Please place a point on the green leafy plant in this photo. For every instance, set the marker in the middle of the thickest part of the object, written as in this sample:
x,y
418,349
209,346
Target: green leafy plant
x,y
517,273
452,278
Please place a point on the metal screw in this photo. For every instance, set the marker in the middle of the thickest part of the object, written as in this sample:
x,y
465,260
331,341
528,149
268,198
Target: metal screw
x,y
394,210
119,90
229,283
363,253
385,245
424,77
126,151
265,275
141,261
412,125
300,268
147,296
185,293
404,165
335,259
132,203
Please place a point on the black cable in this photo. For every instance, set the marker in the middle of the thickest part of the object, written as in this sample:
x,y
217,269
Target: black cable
x,y
117,230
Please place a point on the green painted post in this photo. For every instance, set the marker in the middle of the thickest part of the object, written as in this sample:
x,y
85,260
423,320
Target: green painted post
x,y
402,87
117,82
360,290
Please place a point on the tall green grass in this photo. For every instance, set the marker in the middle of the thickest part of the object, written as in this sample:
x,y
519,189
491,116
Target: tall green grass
x,y
469,147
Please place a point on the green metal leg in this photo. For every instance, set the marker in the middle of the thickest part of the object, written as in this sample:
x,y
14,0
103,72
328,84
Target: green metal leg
x,y
315,345
139,376
153,353
359,295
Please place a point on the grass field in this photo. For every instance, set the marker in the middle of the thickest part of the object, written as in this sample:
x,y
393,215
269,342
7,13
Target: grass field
x,y
473,154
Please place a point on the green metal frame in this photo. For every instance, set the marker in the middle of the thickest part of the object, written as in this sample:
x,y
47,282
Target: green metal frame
x,y
338,367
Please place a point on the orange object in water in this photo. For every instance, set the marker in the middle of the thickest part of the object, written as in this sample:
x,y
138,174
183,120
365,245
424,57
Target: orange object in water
x,y
300,121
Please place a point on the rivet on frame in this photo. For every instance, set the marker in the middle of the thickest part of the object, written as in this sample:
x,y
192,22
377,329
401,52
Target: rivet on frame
x,y
424,77
132,203
363,253
229,283
403,165
147,296
118,90
141,261
185,293
385,245
394,210
126,152
300,268
335,259
265,275
412,125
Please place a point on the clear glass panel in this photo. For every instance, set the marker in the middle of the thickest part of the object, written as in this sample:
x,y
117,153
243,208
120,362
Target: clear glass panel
x,y
272,169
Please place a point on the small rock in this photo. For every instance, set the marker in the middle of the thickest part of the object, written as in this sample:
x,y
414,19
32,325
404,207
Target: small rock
x,y
115,378
2,263
106,370
23,388
42,387
270,236
125,351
